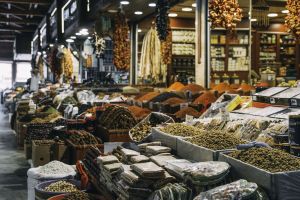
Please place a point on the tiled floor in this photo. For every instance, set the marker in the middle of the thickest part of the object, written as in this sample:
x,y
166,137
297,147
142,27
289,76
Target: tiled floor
x,y
13,165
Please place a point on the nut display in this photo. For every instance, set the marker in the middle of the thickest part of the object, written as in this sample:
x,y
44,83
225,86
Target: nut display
x,y
122,44
81,137
268,159
292,19
182,130
216,140
140,132
162,19
78,195
224,13
61,186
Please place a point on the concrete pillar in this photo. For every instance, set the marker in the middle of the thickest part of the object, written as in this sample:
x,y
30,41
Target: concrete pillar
x,y
202,69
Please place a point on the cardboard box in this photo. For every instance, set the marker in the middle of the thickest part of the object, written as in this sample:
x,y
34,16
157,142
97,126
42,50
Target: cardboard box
x,y
41,152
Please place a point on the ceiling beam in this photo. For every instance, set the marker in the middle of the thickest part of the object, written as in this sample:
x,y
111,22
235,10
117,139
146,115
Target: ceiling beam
x,y
41,2
18,21
21,12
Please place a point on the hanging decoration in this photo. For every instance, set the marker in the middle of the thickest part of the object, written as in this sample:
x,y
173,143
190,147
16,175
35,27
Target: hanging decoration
x,y
162,19
224,13
121,42
260,12
67,64
40,66
151,66
98,44
166,48
55,64
292,20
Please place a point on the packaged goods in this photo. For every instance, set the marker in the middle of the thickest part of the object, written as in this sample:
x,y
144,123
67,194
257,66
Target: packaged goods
x,y
268,159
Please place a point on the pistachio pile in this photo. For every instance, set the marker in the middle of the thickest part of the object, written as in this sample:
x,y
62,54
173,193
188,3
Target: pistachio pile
x,y
140,132
216,140
78,195
268,159
61,186
182,130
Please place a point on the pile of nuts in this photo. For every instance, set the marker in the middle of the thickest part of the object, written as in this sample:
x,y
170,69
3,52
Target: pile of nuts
x,y
61,186
140,132
268,159
292,20
224,13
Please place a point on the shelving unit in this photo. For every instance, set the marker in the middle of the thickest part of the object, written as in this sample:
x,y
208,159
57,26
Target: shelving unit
x,y
229,53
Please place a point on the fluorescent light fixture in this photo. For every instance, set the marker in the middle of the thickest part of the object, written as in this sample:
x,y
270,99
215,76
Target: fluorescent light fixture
x,y
194,5
84,33
253,20
139,30
187,9
124,2
138,12
63,18
78,34
35,38
173,15
73,37
272,15
285,11
152,4
53,12
69,40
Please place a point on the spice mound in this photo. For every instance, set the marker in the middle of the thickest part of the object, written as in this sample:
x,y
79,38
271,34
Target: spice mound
x,y
187,111
206,99
78,195
177,86
61,186
216,140
182,130
147,97
174,101
192,88
268,159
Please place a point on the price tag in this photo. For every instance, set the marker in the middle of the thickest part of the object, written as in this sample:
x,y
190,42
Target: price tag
x,y
272,101
293,102
254,98
189,119
183,105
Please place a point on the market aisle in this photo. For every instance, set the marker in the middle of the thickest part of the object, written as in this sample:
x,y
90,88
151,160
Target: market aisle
x,y
13,165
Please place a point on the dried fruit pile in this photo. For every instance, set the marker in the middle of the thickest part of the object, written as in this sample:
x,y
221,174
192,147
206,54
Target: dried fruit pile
x,y
121,43
268,159
224,13
292,20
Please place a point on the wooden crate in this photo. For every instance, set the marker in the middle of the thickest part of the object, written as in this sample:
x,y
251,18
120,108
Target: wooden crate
x,y
41,153
77,152
113,135
22,129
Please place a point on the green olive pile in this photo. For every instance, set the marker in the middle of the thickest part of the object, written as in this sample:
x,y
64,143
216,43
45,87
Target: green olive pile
x,y
182,130
268,159
61,186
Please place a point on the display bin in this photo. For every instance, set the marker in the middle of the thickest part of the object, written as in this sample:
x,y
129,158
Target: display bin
x,y
77,152
113,135
284,97
164,138
279,186
41,153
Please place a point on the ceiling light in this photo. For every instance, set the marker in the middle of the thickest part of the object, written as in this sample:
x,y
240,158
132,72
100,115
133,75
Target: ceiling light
x,y
194,5
69,40
112,11
187,9
44,52
272,15
139,30
124,2
84,30
89,37
51,45
73,37
39,53
84,33
78,34
138,12
173,15
253,20
285,11
152,4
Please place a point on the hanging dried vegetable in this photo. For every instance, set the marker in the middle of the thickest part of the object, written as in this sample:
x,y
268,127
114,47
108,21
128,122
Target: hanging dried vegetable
x,y
67,64
99,44
40,66
55,64
292,20
224,13
166,49
122,44
162,19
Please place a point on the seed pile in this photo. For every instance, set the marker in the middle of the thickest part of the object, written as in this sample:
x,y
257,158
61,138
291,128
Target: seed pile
x,y
268,159
183,130
78,195
61,186
49,118
187,111
216,140
81,137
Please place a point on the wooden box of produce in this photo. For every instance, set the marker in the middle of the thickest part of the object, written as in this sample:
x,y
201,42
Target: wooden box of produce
x,y
113,135
41,152
20,133
280,185
77,152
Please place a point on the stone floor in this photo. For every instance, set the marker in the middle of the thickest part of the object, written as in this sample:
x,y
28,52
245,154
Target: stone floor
x,y
13,165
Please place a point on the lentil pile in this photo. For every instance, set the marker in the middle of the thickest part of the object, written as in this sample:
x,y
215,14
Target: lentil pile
x,y
78,195
187,111
61,186
216,140
182,130
192,88
268,159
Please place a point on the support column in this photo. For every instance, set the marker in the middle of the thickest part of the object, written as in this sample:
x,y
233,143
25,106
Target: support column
x,y
14,71
202,69
60,31
133,53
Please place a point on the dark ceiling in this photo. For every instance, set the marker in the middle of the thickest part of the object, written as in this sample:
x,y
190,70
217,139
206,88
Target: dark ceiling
x,y
18,17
